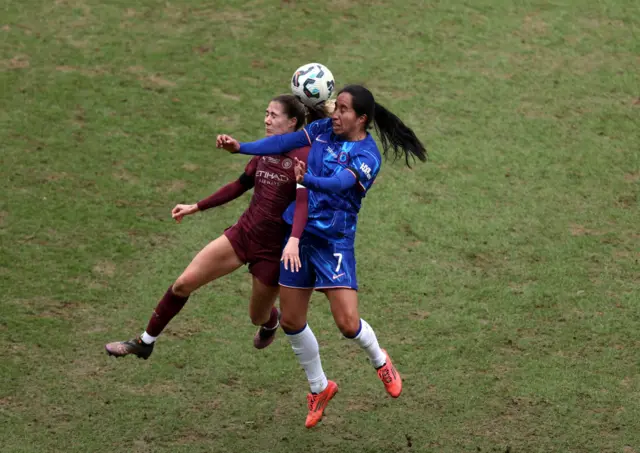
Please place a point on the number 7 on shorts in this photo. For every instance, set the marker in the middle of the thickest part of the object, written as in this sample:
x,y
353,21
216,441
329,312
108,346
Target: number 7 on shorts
x,y
339,256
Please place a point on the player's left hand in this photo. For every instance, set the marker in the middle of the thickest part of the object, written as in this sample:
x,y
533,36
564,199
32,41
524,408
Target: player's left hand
x,y
227,142
291,255
300,169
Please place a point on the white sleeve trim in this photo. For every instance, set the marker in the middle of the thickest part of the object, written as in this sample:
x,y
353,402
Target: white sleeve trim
x,y
300,186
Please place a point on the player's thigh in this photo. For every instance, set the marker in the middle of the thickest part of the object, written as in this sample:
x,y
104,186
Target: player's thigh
x,y
296,288
294,304
344,308
263,297
215,260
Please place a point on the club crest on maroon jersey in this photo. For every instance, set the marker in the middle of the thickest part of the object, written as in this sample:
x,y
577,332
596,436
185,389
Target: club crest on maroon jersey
x,y
286,164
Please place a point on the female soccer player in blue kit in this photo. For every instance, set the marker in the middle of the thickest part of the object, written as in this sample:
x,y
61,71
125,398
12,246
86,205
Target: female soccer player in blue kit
x,y
343,163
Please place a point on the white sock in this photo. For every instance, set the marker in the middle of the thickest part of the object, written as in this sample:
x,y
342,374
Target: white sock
x,y
305,347
147,338
367,340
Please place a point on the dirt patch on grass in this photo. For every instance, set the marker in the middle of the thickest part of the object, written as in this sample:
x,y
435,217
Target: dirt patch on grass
x,y
600,23
160,388
11,403
17,62
534,110
130,12
78,43
79,116
174,186
157,80
193,437
182,329
409,231
89,282
228,96
123,175
230,16
626,382
104,268
632,177
90,72
361,405
48,308
627,201
150,80
533,26
580,230
203,49
145,239
419,315
55,176
190,167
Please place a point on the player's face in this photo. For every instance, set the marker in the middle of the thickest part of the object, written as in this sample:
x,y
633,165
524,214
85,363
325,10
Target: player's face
x,y
345,120
276,121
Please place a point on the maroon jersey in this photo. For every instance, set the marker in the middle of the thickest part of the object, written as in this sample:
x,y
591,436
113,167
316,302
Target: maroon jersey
x,y
274,190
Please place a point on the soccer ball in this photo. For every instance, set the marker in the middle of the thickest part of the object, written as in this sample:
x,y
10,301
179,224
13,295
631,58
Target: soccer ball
x,y
312,84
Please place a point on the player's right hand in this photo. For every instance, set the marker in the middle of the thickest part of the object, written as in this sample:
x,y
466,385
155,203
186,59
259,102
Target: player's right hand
x,y
299,169
227,142
291,255
182,210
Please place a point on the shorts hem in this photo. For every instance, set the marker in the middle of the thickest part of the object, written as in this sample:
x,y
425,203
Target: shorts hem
x,y
318,288
296,287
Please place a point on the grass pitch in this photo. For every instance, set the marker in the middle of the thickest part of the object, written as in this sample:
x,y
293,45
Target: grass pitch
x,y
502,276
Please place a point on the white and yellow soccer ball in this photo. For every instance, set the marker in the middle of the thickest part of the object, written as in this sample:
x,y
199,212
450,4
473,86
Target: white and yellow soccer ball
x,y
313,84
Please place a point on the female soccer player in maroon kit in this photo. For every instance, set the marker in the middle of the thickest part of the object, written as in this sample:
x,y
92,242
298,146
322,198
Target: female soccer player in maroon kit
x,y
256,239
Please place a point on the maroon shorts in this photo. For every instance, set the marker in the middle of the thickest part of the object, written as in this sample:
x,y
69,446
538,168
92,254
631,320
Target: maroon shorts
x,y
263,260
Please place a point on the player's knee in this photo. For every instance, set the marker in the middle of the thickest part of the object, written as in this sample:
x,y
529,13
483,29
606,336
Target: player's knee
x,y
348,325
256,320
183,287
259,317
292,324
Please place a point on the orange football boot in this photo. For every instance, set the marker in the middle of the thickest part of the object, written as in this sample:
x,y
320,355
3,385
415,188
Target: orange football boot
x,y
390,377
318,402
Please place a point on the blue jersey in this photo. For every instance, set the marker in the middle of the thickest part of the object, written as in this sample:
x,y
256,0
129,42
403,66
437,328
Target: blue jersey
x,y
334,216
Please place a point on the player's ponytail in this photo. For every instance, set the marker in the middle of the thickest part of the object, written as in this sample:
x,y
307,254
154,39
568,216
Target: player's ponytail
x,y
394,134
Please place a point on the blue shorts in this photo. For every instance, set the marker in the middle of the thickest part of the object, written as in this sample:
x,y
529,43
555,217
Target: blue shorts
x,y
324,265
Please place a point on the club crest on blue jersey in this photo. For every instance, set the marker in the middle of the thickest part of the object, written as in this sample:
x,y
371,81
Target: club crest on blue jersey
x,y
343,158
